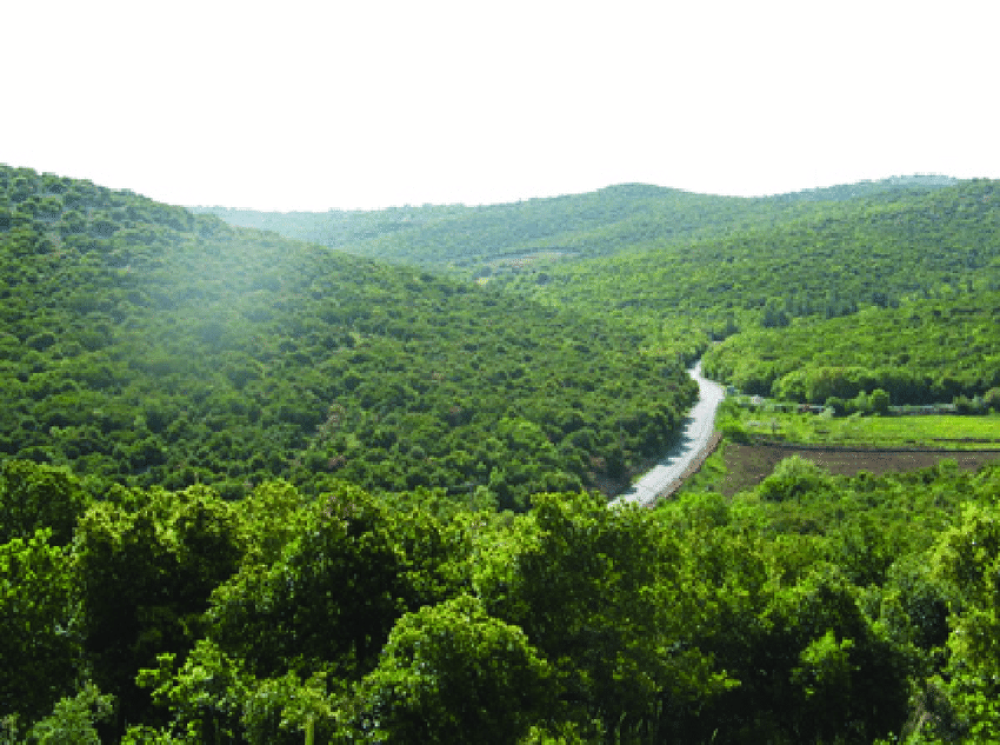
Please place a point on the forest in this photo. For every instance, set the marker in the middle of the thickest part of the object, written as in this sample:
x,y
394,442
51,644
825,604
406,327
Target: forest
x,y
922,351
344,477
147,346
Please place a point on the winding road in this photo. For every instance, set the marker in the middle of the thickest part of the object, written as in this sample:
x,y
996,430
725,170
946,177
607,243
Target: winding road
x,y
697,434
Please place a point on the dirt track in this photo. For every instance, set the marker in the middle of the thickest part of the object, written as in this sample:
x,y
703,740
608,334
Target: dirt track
x,y
748,465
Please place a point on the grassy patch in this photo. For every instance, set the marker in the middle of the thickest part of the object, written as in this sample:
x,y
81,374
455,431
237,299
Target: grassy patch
x,y
939,431
711,475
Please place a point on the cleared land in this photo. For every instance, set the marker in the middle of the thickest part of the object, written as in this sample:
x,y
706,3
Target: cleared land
x,y
882,433
748,465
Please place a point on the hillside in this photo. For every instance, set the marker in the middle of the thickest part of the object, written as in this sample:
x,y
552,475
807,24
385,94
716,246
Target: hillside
x,y
642,254
146,345
494,239
846,255
923,351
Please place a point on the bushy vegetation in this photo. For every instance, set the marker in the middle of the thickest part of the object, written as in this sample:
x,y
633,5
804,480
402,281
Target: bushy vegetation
x,y
812,609
494,239
924,351
145,345
253,490
671,264
838,258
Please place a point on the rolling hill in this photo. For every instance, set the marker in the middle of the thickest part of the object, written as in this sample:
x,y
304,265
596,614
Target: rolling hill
x,y
248,484
147,345
480,240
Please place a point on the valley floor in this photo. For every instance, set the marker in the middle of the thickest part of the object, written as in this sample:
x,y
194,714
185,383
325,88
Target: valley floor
x,y
748,465
696,440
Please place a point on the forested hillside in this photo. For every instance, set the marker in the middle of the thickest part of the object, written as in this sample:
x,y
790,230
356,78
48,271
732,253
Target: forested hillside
x,y
924,351
711,264
149,346
847,255
256,490
490,239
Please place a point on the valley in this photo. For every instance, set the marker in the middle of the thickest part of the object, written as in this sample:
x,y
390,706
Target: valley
x,y
695,441
344,476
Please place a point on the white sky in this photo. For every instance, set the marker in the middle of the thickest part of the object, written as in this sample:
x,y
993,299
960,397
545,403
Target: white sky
x,y
365,104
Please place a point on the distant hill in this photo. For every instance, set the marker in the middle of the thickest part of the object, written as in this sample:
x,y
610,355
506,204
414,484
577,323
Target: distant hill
x,y
480,241
844,192
675,267
147,345
830,260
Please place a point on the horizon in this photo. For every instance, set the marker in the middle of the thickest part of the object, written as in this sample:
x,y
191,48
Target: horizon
x,y
238,208
894,177
337,106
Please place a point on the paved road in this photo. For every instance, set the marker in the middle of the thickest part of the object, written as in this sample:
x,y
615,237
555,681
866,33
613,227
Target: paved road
x,y
698,430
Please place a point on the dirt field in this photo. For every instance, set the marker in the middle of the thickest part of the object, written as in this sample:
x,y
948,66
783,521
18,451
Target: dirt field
x,y
748,465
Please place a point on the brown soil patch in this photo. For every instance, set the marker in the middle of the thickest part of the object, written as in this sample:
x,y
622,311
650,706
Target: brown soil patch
x,y
748,465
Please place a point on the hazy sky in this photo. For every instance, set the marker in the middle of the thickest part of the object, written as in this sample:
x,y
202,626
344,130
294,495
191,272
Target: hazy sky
x,y
366,104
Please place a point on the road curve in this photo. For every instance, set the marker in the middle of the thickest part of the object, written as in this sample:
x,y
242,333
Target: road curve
x,y
698,429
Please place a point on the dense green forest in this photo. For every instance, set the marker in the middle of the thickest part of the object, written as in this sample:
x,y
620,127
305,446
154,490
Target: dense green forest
x,y
671,264
148,346
924,351
810,609
257,490
486,239
874,251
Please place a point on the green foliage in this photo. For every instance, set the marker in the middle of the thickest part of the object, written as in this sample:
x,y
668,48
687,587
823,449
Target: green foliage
x,y
526,236
146,345
212,698
290,460
967,559
924,351
73,719
792,478
38,646
452,674
597,591
331,599
806,618
34,497
143,574
828,260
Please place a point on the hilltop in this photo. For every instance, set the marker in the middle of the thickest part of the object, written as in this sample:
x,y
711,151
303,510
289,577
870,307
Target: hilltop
x,y
479,241
674,265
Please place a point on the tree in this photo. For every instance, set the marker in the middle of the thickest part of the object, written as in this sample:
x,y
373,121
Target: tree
x,y
34,496
452,674
879,402
213,698
329,602
597,592
967,557
143,573
37,644
793,477
73,719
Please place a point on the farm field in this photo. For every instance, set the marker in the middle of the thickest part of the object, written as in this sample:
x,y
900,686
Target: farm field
x,y
951,432
844,447
748,465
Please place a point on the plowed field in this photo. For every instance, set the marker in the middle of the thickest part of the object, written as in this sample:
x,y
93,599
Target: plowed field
x,y
748,465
